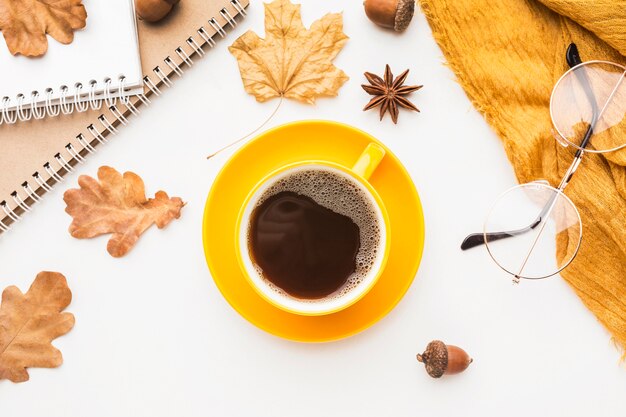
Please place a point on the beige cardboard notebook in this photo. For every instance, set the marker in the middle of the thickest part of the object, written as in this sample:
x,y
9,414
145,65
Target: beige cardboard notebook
x,y
36,154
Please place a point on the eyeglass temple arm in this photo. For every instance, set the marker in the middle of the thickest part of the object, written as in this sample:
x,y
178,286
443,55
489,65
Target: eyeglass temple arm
x,y
476,239
573,59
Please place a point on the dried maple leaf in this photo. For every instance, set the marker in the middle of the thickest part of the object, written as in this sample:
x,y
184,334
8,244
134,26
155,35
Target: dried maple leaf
x,y
28,324
25,23
291,61
117,204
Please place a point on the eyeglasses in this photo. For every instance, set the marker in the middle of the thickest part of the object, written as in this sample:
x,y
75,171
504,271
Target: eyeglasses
x,y
533,230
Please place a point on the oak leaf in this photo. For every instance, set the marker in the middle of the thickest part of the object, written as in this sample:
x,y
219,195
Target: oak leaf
x,y
25,23
291,61
28,324
117,204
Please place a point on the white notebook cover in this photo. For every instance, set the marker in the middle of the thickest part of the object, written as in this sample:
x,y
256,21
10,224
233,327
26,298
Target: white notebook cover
x,y
107,48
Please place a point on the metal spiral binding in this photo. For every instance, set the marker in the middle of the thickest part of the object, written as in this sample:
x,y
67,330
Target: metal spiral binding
x,y
22,114
67,102
37,112
52,110
65,164
152,86
96,135
81,106
239,9
52,173
4,227
75,155
67,107
18,200
95,103
130,106
116,102
217,27
10,213
44,185
31,193
197,48
118,115
164,79
183,55
85,144
227,16
7,116
107,125
173,66
205,36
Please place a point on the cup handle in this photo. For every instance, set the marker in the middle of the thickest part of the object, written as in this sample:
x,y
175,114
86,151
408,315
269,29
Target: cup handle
x,y
369,160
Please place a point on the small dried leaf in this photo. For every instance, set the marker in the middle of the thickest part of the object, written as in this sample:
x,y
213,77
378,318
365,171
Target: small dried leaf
x,y
25,23
117,204
28,324
291,61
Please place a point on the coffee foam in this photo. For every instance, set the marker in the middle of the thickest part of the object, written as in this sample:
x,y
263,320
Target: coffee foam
x,y
343,196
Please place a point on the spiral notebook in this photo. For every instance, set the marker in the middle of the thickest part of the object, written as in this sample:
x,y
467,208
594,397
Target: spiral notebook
x,y
37,154
101,61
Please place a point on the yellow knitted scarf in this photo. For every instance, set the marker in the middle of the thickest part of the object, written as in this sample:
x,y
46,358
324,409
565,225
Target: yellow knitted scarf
x,y
507,55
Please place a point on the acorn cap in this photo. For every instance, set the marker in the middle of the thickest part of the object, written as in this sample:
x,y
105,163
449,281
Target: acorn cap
x,y
435,358
404,14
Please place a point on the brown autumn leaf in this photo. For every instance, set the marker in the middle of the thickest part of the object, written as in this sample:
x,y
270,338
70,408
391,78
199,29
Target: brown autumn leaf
x,y
117,204
291,61
28,324
25,23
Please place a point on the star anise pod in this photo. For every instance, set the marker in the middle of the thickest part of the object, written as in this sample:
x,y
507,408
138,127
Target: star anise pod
x,y
388,93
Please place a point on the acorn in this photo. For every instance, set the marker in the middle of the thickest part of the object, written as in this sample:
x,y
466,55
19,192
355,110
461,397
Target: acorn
x,y
154,10
441,359
392,14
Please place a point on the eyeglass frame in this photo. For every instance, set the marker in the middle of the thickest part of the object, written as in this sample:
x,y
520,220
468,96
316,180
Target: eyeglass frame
x,y
574,60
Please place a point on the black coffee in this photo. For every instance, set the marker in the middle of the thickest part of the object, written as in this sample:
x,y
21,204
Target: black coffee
x,y
302,247
313,234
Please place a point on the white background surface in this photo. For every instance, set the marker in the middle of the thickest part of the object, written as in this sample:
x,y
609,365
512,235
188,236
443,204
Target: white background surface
x,y
154,337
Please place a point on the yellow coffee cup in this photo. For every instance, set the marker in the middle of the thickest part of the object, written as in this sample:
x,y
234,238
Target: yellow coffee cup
x,y
356,288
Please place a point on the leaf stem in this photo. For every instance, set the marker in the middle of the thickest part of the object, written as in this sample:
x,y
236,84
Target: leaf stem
x,y
271,116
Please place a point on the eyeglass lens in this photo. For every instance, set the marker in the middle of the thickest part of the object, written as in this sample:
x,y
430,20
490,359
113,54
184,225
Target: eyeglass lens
x,y
542,228
591,95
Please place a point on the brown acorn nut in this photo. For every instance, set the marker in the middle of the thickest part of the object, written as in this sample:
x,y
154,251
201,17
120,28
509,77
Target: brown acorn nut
x,y
441,359
392,14
154,10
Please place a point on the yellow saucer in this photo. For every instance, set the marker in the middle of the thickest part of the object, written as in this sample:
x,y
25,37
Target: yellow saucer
x,y
290,143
